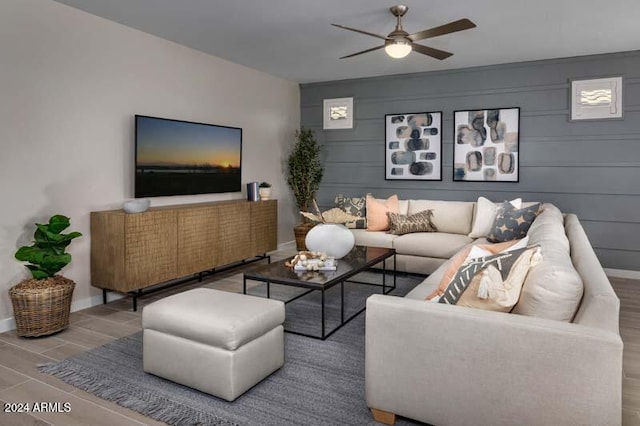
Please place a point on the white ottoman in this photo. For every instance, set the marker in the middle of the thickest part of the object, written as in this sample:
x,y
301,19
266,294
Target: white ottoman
x,y
217,342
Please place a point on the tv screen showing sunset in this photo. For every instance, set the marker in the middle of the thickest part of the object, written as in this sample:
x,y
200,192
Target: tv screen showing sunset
x,y
181,158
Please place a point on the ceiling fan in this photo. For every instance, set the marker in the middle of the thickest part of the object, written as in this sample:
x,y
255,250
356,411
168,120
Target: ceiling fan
x,y
400,43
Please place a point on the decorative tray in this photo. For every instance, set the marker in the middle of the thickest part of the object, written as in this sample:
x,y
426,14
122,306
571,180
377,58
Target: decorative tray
x,y
313,261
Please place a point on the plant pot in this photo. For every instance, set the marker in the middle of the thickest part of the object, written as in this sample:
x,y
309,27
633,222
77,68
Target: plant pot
x,y
41,307
265,193
330,238
300,231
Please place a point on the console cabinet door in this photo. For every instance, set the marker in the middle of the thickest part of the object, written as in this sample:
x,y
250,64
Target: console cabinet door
x,y
264,226
107,250
150,248
197,240
234,229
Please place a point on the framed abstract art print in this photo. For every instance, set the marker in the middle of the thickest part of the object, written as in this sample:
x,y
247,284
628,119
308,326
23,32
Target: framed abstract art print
x,y
413,146
486,145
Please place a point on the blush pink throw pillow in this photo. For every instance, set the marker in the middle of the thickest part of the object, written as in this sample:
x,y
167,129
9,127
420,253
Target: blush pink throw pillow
x,y
377,219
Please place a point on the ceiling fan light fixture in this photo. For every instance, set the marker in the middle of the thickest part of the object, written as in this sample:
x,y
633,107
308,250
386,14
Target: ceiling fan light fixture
x,y
399,43
398,49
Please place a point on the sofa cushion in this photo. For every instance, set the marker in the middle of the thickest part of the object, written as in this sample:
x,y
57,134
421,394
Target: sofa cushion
x,y
548,229
214,317
484,214
403,205
599,306
430,244
364,237
493,282
355,206
400,224
553,289
512,223
377,219
426,287
417,264
453,217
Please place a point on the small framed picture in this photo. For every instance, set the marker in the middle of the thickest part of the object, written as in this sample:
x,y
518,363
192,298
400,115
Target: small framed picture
x,y
596,99
486,145
338,113
413,146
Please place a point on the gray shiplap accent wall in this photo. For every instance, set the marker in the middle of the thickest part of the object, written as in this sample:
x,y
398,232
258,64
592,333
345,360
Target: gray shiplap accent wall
x,y
591,168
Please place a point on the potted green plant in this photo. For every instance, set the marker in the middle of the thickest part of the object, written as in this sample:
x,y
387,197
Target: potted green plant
x,y
264,189
41,304
304,175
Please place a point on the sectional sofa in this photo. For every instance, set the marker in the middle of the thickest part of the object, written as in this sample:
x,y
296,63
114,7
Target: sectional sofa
x,y
555,359
424,252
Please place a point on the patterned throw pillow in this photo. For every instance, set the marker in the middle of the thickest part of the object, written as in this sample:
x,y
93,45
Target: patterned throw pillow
x,y
355,206
400,224
464,255
492,282
512,223
485,214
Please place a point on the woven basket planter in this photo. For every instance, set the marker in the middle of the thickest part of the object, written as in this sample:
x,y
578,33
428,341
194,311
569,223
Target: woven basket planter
x,y
300,231
42,307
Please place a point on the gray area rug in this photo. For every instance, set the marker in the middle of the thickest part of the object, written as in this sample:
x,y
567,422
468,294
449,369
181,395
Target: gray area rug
x,y
321,383
304,314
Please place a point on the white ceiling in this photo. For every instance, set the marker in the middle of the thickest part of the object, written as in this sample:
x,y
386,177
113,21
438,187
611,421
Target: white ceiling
x,y
293,39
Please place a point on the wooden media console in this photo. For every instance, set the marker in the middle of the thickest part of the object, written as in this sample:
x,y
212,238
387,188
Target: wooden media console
x,y
131,252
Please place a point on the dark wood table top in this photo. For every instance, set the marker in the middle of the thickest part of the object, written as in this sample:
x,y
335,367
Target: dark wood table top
x,y
358,260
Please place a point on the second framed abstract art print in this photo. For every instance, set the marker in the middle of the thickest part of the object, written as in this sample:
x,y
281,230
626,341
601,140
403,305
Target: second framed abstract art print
x,y
486,145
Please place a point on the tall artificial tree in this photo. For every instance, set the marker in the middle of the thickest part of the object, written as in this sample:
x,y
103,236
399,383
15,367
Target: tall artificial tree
x,y
305,168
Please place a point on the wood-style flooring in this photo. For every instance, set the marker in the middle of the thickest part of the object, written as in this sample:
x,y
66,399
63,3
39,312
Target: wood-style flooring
x,y
20,380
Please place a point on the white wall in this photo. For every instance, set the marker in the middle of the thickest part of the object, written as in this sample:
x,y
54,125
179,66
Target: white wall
x,y
70,84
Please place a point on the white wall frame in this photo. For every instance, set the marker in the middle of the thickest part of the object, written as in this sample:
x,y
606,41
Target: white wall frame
x,y
596,99
338,113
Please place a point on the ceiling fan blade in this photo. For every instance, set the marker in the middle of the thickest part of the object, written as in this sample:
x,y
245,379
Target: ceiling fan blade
x,y
430,51
451,27
360,31
364,51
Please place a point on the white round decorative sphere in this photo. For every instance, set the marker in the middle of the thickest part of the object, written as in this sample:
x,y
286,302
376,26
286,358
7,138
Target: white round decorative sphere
x,y
136,206
333,239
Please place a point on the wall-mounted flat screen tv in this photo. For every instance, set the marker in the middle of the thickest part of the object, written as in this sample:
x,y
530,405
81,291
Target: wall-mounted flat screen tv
x,y
183,158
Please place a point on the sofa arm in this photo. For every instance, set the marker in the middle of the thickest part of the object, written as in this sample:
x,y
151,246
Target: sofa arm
x,y
449,365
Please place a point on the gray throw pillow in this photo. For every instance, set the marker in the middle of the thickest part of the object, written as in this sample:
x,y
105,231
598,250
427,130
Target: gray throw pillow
x,y
512,223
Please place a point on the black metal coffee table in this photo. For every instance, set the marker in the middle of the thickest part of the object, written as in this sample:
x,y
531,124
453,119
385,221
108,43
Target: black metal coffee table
x,y
360,259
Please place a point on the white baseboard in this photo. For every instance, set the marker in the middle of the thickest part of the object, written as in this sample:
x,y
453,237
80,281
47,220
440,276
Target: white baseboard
x,y
7,324
88,302
10,323
622,273
289,245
